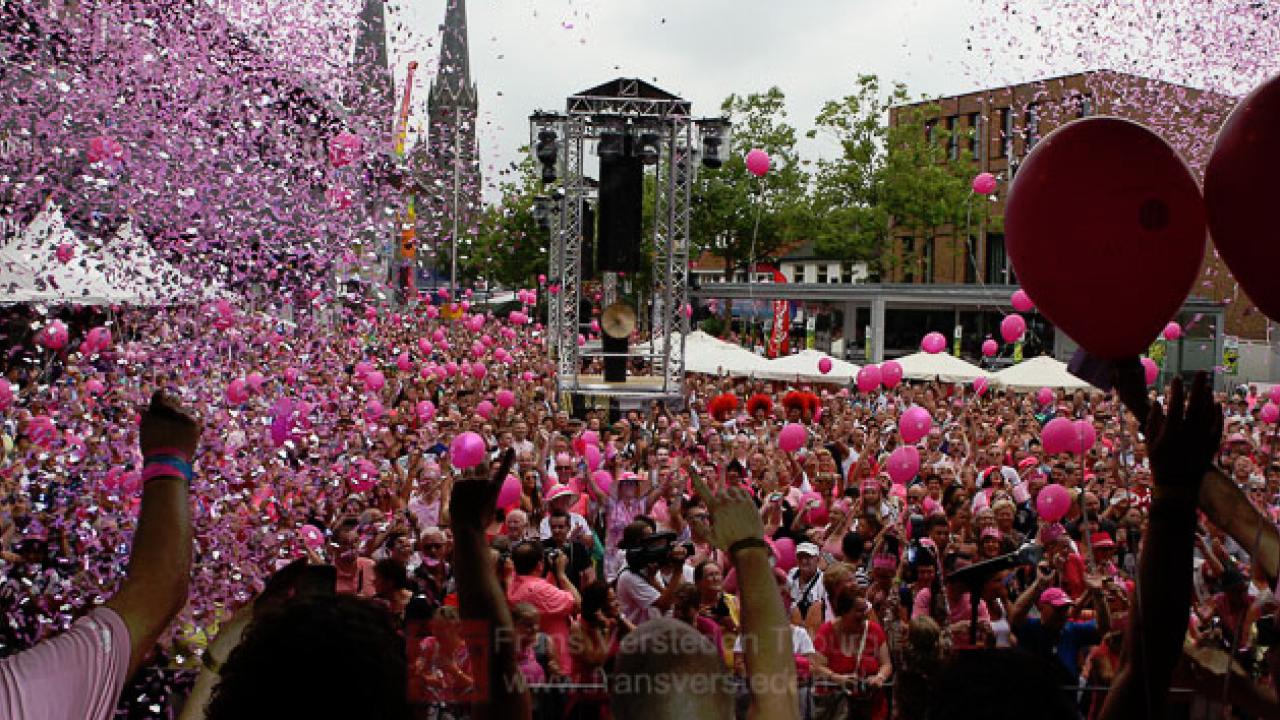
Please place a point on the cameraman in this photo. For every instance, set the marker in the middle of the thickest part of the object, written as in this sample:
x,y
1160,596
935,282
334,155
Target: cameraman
x,y
642,595
556,600
561,543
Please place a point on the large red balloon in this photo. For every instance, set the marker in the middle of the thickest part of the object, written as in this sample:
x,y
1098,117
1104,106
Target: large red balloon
x,y
1239,195
1105,227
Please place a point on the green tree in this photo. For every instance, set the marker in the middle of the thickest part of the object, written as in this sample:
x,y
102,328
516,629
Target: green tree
x,y
509,248
897,174
737,215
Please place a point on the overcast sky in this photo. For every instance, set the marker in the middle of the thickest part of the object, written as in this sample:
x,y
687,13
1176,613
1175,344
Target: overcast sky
x,y
529,54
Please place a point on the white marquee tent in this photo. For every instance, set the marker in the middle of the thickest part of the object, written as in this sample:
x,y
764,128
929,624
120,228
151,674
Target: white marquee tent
x,y
708,355
803,367
1039,372
939,366
31,272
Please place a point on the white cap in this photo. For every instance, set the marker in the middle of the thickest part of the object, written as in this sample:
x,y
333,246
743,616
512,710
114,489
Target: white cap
x,y
807,548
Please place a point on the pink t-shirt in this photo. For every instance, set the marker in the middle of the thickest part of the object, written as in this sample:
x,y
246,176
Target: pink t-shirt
x,y
78,674
554,606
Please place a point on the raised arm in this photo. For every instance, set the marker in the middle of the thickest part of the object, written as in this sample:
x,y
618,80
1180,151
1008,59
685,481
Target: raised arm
x,y
160,563
765,630
1182,448
480,597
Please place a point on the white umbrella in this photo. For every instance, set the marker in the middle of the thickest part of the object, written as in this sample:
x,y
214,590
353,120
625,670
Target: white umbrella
x,y
1038,372
803,367
939,366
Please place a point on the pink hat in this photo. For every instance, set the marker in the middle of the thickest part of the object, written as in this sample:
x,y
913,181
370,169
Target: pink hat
x,y
990,532
1056,597
1052,532
560,491
1028,462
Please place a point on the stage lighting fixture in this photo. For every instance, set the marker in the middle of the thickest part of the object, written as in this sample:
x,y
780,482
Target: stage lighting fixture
x,y
610,145
542,211
715,134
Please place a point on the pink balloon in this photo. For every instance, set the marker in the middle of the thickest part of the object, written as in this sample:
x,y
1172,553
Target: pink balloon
x,y
869,378
593,457
990,347
64,252
484,409
980,386
403,363
904,463
344,149
95,387
984,183
506,398
375,380
1270,413
1056,437
915,424
1083,437
373,411
890,373
792,437
1172,331
824,365
758,162
478,370
603,479
1044,396
1053,503
312,537
784,549
54,336
1274,394
933,343
426,410
254,381
509,495
104,148
99,339
1021,301
237,393
1012,327
424,346
1150,370
6,394
467,451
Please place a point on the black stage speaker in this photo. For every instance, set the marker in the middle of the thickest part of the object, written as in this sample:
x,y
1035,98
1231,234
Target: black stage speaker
x,y
621,209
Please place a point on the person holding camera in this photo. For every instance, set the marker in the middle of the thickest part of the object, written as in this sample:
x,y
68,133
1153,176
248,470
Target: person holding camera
x,y
556,600
641,591
579,568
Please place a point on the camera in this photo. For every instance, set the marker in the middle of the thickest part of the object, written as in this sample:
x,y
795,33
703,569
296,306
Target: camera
x,y
550,556
653,549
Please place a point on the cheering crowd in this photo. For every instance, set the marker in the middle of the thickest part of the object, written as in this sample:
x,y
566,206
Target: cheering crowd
x,y
334,535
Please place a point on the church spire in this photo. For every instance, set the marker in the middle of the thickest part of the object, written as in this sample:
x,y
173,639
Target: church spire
x,y
372,92
452,86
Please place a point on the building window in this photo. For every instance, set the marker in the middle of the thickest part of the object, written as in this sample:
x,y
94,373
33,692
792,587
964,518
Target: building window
x,y
1006,132
833,274
846,273
997,260
1031,124
953,141
975,132
822,273
931,131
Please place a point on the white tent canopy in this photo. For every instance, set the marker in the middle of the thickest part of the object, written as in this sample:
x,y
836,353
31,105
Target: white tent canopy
x,y
708,355
1039,372
31,272
803,367
136,266
939,366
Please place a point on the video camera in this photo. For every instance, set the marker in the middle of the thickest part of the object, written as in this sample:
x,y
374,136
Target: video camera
x,y
653,549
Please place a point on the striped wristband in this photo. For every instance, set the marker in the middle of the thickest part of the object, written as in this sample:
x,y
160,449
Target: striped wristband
x,y
157,465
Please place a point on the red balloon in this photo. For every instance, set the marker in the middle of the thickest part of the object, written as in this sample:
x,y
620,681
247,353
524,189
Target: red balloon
x,y
1105,228
1239,196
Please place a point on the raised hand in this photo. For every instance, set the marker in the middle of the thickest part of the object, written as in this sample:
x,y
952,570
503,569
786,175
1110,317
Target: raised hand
x,y
734,516
1183,442
166,425
472,502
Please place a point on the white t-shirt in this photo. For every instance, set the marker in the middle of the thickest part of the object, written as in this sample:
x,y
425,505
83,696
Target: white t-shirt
x,y
801,643
636,597
796,587
575,521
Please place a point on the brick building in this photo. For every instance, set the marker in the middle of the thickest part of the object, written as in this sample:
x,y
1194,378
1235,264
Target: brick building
x,y
994,129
